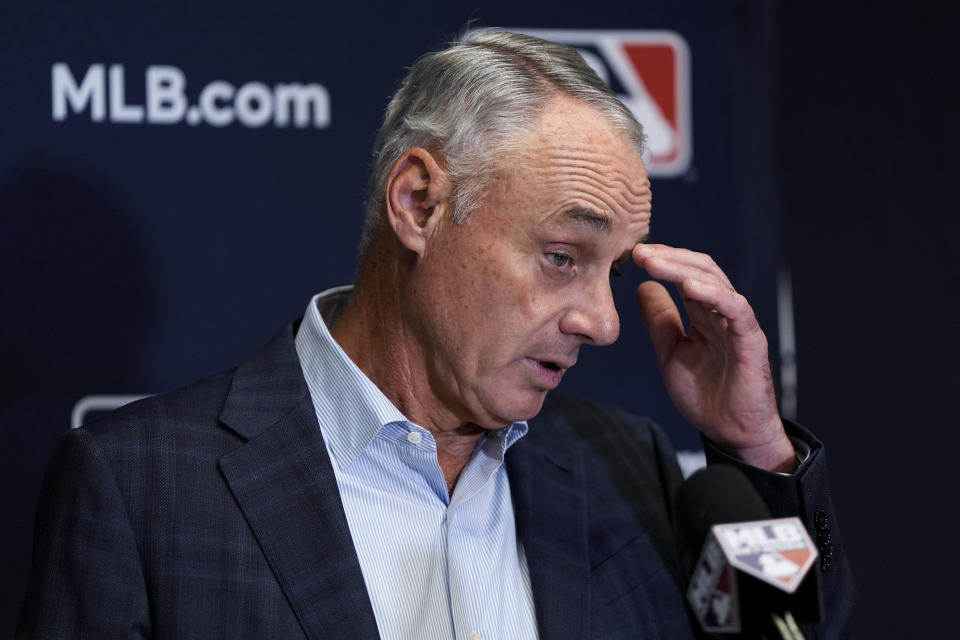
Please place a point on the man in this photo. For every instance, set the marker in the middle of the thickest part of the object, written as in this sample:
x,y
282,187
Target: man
x,y
370,472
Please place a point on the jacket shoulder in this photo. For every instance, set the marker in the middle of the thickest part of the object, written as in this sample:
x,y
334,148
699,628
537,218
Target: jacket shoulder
x,y
186,418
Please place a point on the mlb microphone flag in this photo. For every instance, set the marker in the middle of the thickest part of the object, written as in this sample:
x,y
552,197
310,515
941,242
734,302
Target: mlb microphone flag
x,y
777,552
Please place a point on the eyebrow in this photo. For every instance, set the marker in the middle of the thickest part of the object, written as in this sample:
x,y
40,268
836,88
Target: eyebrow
x,y
593,219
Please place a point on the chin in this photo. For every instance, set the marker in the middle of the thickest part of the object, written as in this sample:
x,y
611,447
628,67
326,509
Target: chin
x,y
519,407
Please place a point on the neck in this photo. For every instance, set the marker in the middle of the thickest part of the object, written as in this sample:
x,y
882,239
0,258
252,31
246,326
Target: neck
x,y
375,333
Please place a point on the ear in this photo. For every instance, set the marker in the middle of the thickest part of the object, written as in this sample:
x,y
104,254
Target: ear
x,y
418,193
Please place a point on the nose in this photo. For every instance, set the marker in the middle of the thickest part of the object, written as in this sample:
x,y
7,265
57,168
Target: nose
x,y
592,315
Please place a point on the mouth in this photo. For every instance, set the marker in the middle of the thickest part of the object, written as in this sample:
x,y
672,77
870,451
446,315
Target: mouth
x,y
549,372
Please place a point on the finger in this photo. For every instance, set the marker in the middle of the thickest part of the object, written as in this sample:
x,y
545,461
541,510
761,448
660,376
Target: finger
x,y
661,317
717,303
676,273
682,256
704,317
674,264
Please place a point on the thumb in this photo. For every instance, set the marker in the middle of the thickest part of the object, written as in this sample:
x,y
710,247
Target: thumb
x,y
661,317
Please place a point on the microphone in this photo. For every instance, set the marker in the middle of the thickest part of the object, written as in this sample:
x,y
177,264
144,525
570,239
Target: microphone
x,y
750,575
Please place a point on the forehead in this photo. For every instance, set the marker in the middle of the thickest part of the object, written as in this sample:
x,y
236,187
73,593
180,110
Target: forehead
x,y
575,166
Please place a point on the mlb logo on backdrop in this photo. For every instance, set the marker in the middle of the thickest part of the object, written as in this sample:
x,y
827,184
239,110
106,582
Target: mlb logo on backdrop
x,y
650,71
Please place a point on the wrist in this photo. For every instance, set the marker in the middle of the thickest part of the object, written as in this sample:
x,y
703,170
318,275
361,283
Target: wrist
x,y
776,454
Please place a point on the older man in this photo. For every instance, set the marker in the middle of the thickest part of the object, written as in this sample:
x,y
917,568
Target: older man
x,y
371,470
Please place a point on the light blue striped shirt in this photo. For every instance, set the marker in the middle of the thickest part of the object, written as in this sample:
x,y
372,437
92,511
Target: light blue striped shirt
x,y
435,566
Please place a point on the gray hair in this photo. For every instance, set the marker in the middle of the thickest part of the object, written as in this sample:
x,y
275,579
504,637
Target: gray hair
x,y
467,103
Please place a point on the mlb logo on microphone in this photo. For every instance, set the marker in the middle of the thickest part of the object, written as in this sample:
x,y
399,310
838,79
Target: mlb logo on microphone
x,y
650,72
779,552
713,594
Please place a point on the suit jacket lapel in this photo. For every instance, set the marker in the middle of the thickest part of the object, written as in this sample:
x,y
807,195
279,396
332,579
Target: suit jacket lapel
x,y
283,482
547,484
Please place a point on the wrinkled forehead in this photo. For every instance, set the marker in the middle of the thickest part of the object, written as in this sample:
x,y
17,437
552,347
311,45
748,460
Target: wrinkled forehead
x,y
569,130
580,155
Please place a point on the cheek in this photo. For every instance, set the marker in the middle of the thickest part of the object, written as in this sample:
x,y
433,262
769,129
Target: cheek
x,y
485,300
489,279
497,319
458,300
526,293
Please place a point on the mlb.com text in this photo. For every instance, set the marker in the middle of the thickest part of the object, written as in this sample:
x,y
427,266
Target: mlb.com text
x,y
102,92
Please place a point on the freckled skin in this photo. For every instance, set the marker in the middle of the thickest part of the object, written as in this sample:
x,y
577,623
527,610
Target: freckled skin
x,y
487,299
452,321
465,328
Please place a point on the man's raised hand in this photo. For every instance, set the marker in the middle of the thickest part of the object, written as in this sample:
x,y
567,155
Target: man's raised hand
x,y
717,372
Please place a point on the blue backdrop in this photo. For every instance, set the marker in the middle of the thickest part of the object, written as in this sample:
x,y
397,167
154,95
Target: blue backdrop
x,y
147,153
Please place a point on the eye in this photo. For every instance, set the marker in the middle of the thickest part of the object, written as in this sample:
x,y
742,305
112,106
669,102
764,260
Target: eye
x,y
559,260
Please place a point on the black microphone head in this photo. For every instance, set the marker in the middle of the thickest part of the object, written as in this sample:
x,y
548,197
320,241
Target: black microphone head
x,y
715,495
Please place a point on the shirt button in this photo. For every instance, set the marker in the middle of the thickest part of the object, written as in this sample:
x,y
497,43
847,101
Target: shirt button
x,y
414,437
476,636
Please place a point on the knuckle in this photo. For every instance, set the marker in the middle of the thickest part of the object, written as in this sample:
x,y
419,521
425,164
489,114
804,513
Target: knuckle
x,y
704,259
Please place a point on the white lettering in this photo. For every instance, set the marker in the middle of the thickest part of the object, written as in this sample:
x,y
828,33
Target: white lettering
x,y
786,532
218,116
219,103
742,538
705,576
65,90
254,104
166,102
757,538
301,97
119,110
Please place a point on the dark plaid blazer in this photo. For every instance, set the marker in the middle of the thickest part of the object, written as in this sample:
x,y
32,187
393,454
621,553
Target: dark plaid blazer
x,y
213,512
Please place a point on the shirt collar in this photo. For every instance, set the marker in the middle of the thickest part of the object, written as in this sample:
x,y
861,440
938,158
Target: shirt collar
x,y
351,409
